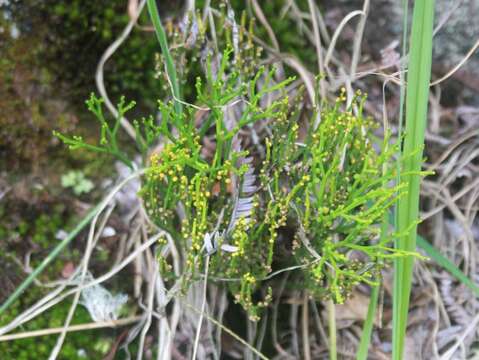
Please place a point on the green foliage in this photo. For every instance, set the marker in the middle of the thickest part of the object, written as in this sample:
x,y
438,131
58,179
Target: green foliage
x,y
193,41
417,99
77,181
208,187
333,186
232,203
78,345
71,38
108,134
330,188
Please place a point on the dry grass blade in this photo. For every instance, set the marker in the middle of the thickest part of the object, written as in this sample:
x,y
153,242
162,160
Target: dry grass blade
x,y
71,328
54,253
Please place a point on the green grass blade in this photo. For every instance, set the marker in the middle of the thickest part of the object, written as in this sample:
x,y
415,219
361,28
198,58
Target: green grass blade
x,y
419,74
442,261
331,308
170,65
373,303
445,263
51,256
402,77
368,324
57,250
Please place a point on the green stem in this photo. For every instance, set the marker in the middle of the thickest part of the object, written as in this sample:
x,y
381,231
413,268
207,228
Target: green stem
x,y
333,353
54,253
170,66
417,95
368,324
446,264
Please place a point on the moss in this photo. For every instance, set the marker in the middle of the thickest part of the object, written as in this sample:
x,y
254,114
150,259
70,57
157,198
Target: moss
x,y
78,345
47,71
28,110
31,228
72,37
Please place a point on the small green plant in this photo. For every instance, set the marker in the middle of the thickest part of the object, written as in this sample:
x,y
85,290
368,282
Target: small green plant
x,y
216,189
334,190
237,165
108,134
230,204
77,181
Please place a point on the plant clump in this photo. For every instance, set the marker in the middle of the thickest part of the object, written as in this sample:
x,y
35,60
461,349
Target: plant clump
x,y
244,166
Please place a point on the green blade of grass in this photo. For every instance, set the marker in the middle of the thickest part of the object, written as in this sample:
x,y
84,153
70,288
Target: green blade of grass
x,y
170,65
437,257
58,249
331,308
419,74
446,264
368,324
51,256
373,303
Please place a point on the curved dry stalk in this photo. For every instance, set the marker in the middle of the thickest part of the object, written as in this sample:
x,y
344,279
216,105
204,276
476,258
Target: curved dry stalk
x,y
463,161
458,65
335,37
100,207
229,331
43,305
99,78
464,191
322,27
305,75
92,239
305,327
293,321
358,40
71,328
437,301
146,326
262,19
203,307
319,53
471,327
167,330
319,324
288,59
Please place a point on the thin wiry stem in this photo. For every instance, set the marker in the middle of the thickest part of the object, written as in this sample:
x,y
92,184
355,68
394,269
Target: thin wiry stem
x,y
358,40
229,331
71,328
99,75
203,307
319,52
57,250
305,325
92,239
